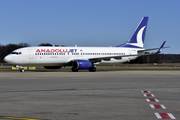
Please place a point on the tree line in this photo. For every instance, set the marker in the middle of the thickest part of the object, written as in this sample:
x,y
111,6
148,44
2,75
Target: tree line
x,y
156,58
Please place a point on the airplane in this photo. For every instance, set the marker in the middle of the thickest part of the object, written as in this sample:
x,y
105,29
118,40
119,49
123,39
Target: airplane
x,y
52,57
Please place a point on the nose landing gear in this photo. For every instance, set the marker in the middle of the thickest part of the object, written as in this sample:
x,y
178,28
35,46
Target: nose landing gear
x,y
21,68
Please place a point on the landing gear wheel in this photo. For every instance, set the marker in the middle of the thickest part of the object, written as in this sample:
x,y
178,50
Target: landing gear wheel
x,y
74,70
93,69
22,70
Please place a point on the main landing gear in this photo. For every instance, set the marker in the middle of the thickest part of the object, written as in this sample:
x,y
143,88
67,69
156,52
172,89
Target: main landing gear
x,y
92,69
74,70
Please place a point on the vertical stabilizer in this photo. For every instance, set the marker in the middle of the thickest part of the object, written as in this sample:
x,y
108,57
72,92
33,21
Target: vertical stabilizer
x,y
137,39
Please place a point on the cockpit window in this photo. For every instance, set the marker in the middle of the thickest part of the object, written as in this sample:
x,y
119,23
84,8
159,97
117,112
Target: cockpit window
x,y
17,53
13,53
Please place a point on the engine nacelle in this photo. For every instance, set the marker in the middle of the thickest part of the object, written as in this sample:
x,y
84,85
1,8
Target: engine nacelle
x,y
52,67
81,64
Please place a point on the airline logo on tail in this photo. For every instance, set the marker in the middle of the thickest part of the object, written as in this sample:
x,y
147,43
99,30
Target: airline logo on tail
x,y
137,39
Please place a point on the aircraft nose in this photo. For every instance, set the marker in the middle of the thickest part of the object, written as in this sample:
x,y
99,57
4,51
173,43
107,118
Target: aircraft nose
x,y
8,59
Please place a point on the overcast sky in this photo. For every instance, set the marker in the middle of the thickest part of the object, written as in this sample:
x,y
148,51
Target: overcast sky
x,y
89,22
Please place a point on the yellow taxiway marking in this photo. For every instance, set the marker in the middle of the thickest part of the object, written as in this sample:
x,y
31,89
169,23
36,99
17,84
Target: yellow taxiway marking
x,y
17,118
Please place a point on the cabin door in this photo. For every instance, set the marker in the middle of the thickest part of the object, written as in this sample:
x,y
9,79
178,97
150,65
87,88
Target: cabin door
x,y
31,54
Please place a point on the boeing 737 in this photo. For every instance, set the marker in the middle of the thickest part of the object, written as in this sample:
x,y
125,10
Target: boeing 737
x,y
52,57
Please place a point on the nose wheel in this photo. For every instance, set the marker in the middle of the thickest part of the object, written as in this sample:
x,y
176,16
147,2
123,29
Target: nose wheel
x,y
22,70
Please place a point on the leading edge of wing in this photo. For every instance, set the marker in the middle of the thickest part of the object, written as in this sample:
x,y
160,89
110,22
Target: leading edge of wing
x,y
152,49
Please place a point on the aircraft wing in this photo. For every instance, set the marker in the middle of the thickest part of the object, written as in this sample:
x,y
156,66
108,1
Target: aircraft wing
x,y
152,49
98,59
155,48
140,53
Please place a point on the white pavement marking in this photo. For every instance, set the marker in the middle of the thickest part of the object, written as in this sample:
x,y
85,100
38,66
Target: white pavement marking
x,y
145,91
164,116
152,100
149,95
157,106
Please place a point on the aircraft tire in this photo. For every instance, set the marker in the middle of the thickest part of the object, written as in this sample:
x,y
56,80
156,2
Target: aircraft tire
x,y
93,69
22,70
74,70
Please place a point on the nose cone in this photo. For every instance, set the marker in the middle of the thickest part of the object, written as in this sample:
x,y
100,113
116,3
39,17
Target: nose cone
x,y
8,58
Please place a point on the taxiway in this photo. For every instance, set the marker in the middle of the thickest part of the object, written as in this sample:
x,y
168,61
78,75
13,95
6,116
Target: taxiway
x,y
101,95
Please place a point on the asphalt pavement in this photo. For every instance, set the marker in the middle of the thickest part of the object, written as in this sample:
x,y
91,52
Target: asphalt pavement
x,y
101,95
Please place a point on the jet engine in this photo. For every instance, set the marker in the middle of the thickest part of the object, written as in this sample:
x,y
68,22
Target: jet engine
x,y
81,64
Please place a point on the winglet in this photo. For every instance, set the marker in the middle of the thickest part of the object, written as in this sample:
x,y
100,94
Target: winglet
x,y
159,51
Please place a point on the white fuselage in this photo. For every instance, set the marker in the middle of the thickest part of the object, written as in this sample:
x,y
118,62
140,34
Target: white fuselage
x,y
61,56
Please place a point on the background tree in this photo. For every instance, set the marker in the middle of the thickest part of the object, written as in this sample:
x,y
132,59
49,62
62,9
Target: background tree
x,y
45,44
